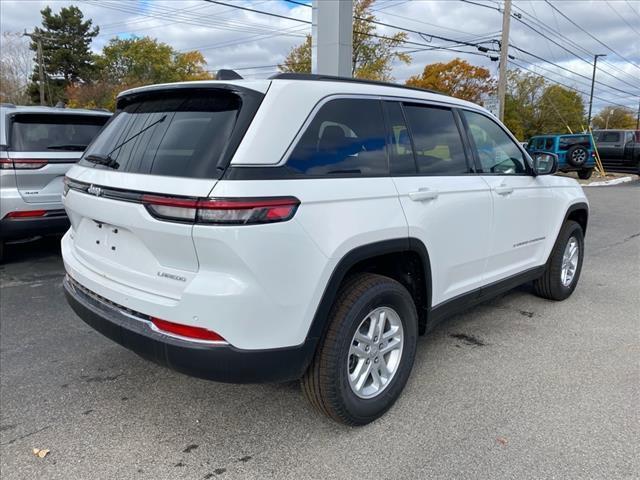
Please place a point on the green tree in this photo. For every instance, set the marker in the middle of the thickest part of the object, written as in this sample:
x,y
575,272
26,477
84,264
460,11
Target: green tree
x,y
533,106
457,78
615,117
522,101
562,110
66,50
146,60
128,63
372,55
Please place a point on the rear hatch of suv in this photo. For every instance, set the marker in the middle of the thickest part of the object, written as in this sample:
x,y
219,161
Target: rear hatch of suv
x,y
130,200
42,147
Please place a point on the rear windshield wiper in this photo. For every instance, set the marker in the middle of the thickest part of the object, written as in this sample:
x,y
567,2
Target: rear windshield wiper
x,y
106,160
76,147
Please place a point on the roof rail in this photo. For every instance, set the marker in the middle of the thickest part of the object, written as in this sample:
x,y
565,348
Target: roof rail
x,y
227,75
7,105
331,78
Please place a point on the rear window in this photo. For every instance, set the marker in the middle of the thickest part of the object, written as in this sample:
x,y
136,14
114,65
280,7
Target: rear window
x,y
59,132
346,137
175,133
566,142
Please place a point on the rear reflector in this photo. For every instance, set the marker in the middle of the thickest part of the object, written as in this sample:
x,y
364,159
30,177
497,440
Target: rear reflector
x,y
26,214
186,331
227,211
22,163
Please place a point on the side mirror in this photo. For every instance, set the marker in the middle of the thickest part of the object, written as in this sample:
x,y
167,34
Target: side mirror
x,y
544,163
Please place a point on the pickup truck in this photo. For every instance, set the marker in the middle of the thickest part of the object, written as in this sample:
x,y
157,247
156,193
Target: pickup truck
x,y
619,149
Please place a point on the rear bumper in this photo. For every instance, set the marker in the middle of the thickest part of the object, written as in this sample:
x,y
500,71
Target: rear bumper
x,y
54,222
223,363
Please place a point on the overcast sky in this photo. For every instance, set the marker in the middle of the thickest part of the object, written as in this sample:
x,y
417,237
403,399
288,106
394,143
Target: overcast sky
x,y
233,38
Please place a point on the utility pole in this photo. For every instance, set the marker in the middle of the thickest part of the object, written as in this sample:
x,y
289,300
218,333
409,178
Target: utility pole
x,y
332,37
504,57
593,81
38,41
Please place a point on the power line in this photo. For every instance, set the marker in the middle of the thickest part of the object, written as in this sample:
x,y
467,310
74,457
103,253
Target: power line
x,y
589,33
561,46
231,43
537,57
573,53
259,11
481,5
565,85
621,17
161,13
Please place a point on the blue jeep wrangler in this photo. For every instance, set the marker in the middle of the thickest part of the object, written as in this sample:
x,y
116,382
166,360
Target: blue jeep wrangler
x,y
575,152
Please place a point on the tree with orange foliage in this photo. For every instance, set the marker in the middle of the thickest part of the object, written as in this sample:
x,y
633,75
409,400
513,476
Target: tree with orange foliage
x,y
457,78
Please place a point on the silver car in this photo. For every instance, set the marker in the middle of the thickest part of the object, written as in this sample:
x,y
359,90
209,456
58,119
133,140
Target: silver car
x,y
37,147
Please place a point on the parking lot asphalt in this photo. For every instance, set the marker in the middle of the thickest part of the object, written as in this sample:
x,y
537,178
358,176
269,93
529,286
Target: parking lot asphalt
x,y
518,387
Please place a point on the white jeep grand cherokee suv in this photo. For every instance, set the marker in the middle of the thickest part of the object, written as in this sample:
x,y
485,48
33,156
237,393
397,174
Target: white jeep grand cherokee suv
x,y
307,227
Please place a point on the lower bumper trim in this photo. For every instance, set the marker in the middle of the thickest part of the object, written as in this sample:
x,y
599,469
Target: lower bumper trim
x,y
223,363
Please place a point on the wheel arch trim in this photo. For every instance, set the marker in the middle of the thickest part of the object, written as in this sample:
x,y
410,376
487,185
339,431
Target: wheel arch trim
x,y
352,258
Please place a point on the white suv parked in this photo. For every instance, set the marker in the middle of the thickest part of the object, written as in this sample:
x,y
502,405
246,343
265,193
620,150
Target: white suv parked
x,y
37,147
307,227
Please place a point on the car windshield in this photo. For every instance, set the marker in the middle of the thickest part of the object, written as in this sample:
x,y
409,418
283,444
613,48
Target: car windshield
x,y
57,132
179,134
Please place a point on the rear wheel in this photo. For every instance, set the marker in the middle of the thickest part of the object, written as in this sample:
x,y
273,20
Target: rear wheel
x,y
585,173
363,362
562,272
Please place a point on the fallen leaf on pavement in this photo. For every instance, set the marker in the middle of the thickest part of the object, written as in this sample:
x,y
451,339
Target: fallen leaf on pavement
x,y
41,452
502,441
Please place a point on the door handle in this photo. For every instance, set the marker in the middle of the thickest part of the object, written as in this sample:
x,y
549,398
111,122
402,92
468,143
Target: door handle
x,y
503,190
423,194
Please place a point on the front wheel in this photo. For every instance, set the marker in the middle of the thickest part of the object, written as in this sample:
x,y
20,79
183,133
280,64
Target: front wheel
x,y
363,362
563,269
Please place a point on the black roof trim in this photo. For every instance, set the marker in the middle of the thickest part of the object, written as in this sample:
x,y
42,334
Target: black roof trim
x,y
331,78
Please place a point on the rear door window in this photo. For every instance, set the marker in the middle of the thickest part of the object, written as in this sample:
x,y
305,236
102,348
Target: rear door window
x,y
609,137
181,133
346,137
436,140
54,132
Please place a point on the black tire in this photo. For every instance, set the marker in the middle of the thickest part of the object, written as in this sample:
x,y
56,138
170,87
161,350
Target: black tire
x,y
577,156
550,285
326,384
585,173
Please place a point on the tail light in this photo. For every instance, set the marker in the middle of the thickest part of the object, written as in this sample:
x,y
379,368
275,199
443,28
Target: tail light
x,y
26,214
21,163
186,331
219,211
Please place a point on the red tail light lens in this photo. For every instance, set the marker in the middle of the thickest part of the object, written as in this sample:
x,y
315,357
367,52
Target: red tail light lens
x,y
26,214
189,332
229,211
22,163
